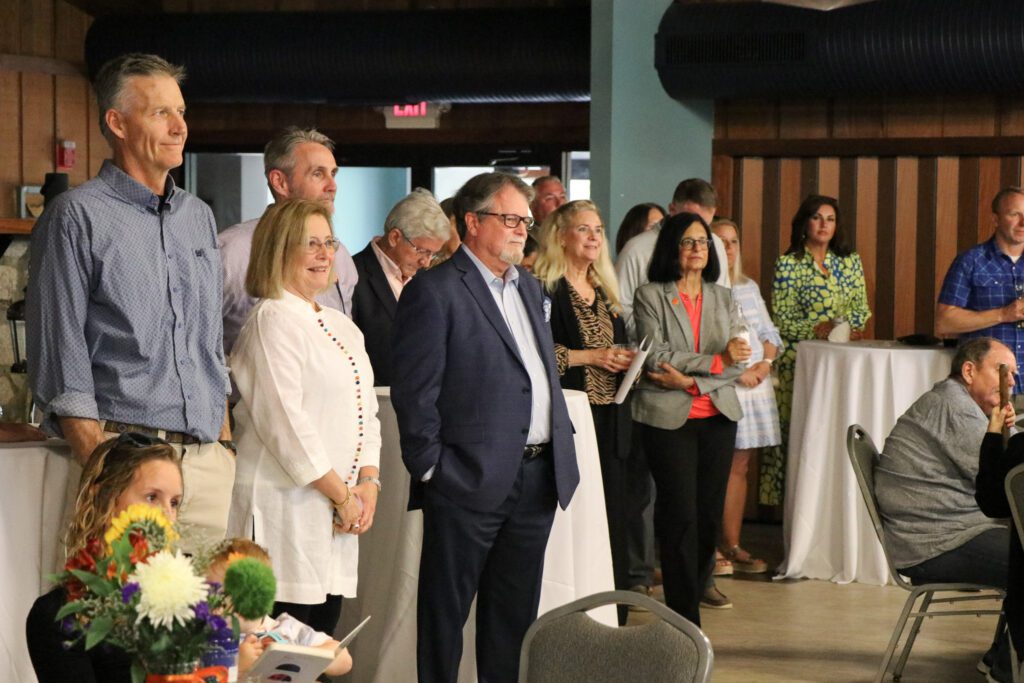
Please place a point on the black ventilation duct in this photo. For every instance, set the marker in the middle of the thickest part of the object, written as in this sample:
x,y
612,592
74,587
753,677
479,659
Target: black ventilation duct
x,y
367,58
890,47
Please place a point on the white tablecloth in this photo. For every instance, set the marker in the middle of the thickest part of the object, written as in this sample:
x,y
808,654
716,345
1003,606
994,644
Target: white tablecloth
x,y
827,531
35,480
577,563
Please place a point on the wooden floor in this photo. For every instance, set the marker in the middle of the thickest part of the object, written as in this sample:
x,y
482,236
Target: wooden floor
x,y
796,631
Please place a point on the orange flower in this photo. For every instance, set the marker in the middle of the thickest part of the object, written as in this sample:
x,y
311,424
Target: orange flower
x,y
140,547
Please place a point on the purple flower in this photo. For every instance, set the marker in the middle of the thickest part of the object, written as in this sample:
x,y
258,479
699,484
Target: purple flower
x,y
202,611
67,625
129,590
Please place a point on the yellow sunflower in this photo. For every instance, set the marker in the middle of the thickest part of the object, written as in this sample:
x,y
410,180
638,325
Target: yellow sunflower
x,y
150,518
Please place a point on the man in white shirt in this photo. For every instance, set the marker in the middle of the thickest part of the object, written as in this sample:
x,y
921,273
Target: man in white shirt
x,y
415,230
299,164
693,195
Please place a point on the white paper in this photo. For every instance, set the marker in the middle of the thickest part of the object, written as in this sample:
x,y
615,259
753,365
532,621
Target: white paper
x,y
634,370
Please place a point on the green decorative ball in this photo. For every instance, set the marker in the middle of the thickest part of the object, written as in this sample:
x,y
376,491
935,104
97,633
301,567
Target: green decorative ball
x,y
251,586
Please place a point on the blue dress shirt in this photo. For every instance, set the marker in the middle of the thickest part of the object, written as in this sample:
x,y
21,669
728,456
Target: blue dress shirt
x,y
123,311
983,278
505,291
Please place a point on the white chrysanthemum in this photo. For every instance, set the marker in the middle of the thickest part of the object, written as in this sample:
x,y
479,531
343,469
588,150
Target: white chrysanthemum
x,y
169,588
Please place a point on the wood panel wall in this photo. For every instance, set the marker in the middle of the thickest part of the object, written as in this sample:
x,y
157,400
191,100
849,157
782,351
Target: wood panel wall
x,y
44,95
914,179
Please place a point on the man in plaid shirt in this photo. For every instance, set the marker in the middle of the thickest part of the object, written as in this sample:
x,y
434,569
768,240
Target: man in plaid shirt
x,y
982,293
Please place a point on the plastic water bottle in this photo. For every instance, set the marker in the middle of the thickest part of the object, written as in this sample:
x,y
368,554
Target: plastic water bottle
x,y
740,330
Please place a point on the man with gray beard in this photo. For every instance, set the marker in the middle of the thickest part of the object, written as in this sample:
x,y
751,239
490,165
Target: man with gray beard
x,y
485,433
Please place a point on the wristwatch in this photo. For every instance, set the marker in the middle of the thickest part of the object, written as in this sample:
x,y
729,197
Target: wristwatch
x,y
769,361
230,445
373,480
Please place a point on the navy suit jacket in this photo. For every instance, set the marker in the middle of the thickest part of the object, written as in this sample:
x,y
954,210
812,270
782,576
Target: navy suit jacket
x,y
461,391
373,311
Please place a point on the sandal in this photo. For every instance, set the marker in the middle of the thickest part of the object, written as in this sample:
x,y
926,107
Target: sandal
x,y
743,562
723,567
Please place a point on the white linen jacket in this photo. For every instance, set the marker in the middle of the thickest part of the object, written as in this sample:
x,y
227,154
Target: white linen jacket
x,y
305,402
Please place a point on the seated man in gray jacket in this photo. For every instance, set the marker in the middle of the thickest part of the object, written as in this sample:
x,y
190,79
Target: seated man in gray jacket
x,y
924,480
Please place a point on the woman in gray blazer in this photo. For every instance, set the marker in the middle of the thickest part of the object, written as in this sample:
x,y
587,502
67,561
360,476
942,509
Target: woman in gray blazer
x,y
686,406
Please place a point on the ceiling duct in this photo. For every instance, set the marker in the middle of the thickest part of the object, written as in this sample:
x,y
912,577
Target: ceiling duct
x,y
365,58
891,47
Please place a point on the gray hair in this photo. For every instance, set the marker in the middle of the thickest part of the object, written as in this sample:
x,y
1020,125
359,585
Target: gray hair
x,y
114,74
278,154
972,351
478,194
419,215
545,179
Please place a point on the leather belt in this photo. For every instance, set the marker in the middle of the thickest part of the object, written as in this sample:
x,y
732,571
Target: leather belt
x,y
169,437
535,450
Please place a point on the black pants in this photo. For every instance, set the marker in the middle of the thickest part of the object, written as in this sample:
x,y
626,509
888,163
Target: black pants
x,y
321,617
690,466
498,556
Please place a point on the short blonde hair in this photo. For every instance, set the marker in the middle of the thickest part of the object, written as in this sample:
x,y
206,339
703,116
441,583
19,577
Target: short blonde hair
x,y
551,264
280,235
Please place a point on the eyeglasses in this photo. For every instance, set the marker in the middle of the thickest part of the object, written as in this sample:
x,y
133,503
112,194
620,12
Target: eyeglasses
x,y
420,251
314,245
691,243
511,220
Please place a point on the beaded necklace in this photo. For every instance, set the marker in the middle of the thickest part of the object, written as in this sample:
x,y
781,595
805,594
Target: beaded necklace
x,y
359,401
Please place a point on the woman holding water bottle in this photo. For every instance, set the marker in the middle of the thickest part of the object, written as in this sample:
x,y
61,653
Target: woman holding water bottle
x,y
591,354
818,293
686,404
759,427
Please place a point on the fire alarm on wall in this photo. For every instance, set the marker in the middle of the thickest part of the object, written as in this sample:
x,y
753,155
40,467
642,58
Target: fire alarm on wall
x,y
65,154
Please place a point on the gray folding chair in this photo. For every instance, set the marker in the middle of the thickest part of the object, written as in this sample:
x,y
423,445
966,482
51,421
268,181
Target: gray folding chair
x,y
864,457
566,646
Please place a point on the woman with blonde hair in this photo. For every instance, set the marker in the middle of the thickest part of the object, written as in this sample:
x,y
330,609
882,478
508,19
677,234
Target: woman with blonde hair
x,y
759,427
131,468
308,437
589,335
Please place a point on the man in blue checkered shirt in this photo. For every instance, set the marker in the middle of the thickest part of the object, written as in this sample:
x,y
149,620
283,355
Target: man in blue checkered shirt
x,y
982,293
123,316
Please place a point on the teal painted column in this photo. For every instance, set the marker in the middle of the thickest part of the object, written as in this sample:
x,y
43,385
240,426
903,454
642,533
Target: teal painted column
x,y
642,142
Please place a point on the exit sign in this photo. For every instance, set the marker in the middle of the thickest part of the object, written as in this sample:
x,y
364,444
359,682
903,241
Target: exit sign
x,y
418,115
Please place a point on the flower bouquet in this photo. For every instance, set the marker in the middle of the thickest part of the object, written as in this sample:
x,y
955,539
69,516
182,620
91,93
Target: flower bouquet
x,y
133,590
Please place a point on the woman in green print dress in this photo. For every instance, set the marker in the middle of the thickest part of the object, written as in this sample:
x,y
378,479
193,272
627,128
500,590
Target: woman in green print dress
x,y
819,281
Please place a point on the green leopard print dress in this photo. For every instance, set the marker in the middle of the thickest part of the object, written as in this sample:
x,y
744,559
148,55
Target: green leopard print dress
x,y
802,297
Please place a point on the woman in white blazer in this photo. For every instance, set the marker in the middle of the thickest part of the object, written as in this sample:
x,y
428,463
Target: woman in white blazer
x,y
686,406
308,438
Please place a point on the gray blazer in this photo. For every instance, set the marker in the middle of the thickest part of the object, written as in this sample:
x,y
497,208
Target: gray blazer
x,y
661,317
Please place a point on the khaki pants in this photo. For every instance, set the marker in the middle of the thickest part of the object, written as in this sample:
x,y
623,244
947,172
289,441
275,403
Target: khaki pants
x,y
208,471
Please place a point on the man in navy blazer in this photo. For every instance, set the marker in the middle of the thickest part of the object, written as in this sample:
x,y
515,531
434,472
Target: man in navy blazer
x,y
415,230
485,433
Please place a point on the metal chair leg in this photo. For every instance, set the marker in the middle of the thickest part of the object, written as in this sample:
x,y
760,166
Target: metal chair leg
x,y
896,633
1014,661
914,630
